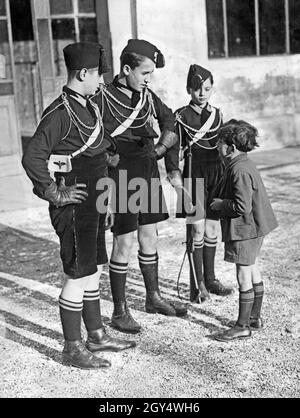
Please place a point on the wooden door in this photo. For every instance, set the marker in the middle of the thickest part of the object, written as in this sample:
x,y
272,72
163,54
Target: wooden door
x,y
57,23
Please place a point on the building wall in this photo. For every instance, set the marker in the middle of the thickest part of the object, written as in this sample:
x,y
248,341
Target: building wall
x,y
262,90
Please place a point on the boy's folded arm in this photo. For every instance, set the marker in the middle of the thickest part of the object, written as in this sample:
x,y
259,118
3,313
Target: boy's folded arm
x,y
241,202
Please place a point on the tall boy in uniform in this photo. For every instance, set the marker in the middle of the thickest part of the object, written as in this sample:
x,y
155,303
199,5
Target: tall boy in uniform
x,y
70,136
128,109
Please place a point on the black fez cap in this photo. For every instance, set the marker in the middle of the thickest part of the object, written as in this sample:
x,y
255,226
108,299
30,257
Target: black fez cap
x,y
145,48
88,55
196,76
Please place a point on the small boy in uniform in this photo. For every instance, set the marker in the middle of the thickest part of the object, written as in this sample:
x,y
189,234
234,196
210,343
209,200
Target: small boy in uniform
x,y
246,217
197,126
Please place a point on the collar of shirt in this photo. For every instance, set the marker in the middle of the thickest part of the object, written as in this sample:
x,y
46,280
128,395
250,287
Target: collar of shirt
x,y
75,95
198,109
130,92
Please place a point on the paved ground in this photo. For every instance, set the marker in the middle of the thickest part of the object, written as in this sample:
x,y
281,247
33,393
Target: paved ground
x,y
175,357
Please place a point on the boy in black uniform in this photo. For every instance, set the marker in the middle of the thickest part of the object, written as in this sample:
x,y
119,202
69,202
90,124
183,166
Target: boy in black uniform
x,y
128,109
70,136
197,125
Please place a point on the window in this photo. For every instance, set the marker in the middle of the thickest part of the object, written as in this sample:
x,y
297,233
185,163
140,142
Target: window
x,y
5,48
71,21
21,20
238,28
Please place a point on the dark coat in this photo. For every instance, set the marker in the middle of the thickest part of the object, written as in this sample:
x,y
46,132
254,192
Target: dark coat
x,y
246,211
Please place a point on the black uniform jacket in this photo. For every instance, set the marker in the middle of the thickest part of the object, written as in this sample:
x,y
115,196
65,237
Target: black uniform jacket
x,y
56,134
195,117
115,110
246,211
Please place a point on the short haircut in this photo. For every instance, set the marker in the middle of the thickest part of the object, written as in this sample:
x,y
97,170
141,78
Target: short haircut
x,y
75,73
132,59
240,133
72,74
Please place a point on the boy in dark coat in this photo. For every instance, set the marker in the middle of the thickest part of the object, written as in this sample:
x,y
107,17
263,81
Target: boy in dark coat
x,y
71,129
246,217
129,108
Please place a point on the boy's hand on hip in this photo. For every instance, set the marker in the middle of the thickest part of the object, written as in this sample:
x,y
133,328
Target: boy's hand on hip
x,y
63,195
216,204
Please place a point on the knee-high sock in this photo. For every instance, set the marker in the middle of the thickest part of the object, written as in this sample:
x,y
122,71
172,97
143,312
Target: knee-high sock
x,y
209,253
198,259
117,275
91,313
258,299
246,300
70,315
149,267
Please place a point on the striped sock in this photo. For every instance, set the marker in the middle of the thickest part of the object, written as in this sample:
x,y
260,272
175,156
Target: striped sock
x,y
117,275
70,315
198,259
149,268
91,313
258,299
245,305
209,253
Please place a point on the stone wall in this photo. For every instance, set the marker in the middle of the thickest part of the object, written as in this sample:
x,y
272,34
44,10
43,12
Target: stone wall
x,y
262,90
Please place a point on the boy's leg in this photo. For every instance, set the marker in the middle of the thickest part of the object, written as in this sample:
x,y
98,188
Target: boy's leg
x,y
121,317
148,261
71,304
258,287
97,339
246,298
198,242
209,252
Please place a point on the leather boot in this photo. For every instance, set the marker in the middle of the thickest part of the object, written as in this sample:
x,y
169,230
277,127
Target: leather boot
x,y
256,323
76,354
197,295
216,287
155,304
98,340
122,320
181,309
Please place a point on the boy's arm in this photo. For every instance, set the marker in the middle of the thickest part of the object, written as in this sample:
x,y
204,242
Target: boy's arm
x,y
241,203
168,137
34,161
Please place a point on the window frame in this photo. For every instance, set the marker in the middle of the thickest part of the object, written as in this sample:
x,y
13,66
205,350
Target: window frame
x,y
257,32
75,15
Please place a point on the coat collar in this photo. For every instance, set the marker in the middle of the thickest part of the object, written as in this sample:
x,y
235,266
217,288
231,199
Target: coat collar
x,y
76,96
237,159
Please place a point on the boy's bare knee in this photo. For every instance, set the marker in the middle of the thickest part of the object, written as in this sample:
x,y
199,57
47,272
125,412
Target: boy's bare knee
x,y
122,246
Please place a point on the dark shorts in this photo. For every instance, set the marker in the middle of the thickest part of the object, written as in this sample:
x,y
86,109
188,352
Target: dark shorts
x,y
243,252
80,228
144,204
211,173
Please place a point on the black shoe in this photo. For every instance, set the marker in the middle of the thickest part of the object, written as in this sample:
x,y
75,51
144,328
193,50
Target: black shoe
x,y
155,304
256,323
98,340
76,354
237,332
216,287
180,308
124,322
201,295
